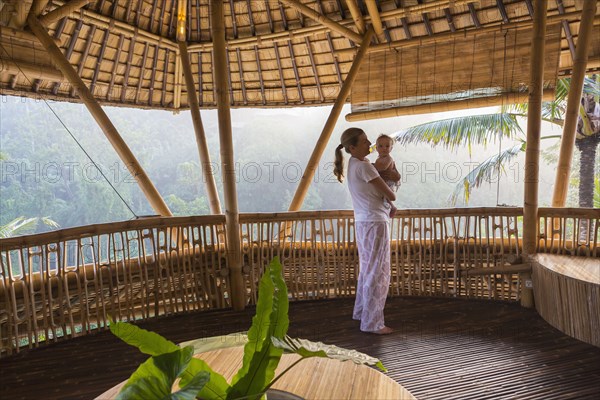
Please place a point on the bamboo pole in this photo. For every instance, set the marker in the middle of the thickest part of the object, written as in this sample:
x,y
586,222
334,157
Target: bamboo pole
x,y
37,7
375,20
567,143
31,71
209,179
331,24
101,118
232,218
177,81
63,11
311,167
532,152
181,19
20,16
507,98
356,15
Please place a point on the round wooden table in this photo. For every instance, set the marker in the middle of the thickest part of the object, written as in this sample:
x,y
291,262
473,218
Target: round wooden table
x,y
313,378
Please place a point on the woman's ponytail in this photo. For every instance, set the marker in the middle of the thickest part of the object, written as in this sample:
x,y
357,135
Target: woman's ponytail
x,y
338,164
349,138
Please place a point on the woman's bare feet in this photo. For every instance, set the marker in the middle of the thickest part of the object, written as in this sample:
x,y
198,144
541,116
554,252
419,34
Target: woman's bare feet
x,y
386,330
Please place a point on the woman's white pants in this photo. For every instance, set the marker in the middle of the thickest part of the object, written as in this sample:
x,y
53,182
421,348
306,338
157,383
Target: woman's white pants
x,y
373,241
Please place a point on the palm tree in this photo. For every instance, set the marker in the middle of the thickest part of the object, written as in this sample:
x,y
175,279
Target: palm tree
x,y
484,129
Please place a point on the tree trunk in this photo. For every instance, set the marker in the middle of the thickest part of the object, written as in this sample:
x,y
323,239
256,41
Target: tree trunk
x,y
587,151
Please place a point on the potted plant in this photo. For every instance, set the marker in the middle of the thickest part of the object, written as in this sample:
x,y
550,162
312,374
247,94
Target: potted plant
x,y
266,341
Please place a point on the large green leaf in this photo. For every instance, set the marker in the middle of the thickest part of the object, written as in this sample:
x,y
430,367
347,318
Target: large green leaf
x,y
306,349
154,379
261,357
154,344
147,342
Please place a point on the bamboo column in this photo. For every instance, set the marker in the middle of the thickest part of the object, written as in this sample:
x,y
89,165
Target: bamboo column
x,y
209,179
232,218
532,153
567,143
313,162
154,198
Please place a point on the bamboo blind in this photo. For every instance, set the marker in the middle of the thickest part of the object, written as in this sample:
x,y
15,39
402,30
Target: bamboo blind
x,y
65,284
484,65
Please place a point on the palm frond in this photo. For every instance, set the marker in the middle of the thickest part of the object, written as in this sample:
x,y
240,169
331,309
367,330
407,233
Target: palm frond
x,y
519,109
552,111
591,86
462,131
484,172
562,90
17,226
22,225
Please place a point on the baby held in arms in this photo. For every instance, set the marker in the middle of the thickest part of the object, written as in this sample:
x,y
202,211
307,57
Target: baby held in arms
x,y
386,166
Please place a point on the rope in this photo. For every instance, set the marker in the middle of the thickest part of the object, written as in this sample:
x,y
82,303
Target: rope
x,y
72,136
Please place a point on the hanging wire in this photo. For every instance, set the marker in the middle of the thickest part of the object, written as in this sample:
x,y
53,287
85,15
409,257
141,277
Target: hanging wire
x,y
71,134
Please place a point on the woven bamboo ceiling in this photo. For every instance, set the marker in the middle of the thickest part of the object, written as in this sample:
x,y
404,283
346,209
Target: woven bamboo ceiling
x,y
280,53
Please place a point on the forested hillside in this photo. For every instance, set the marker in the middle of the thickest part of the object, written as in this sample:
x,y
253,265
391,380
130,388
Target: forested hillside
x,y
44,172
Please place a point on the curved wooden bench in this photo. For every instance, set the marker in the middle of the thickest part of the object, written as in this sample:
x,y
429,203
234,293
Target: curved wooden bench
x,y
567,294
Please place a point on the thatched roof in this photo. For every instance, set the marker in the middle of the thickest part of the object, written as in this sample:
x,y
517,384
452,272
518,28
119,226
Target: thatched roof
x,y
127,51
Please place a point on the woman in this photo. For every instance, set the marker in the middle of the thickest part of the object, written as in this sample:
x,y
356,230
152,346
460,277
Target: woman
x,y
369,193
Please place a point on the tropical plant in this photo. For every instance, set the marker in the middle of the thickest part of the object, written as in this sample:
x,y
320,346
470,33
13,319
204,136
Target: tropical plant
x,y
22,225
266,342
485,129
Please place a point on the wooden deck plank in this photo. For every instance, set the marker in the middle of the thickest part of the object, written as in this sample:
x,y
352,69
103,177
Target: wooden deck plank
x,y
442,349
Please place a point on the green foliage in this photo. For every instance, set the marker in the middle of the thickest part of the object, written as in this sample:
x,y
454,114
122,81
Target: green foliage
x,y
265,343
271,320
484,129
154,344
462,131
484,172
153,380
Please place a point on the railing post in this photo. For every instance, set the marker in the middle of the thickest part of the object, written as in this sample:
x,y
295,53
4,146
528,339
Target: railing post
x,y
532,153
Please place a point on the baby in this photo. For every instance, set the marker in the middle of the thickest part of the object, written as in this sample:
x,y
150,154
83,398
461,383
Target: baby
x,y
385,162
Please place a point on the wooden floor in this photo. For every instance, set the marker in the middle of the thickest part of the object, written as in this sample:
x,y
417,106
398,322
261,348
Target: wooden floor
x,y
442,349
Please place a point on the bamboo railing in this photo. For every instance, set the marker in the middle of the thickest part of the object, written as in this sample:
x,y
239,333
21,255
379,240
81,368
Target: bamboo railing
x,y
67,283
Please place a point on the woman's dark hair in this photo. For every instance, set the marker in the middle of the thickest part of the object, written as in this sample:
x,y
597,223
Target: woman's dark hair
x,y
349,138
